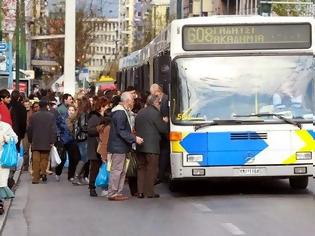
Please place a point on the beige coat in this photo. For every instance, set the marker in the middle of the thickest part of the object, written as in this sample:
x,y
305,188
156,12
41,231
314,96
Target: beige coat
x,y
102,145
6,132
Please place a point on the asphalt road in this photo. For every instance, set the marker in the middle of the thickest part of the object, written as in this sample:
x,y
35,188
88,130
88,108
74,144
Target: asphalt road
x,y
213,208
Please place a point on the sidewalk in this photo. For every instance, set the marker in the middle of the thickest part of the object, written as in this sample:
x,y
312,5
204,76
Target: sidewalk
x,y
8,203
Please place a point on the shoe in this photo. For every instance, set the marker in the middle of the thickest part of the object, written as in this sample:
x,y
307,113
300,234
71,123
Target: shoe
x,y
84,182
33,182
140,195
1,208
104,193
48,172
154,196
157,181
86,179
93,193
44,178
118,198
76,181
58,178
71,179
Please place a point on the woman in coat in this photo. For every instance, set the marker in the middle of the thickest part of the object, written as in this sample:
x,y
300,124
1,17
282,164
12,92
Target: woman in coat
x,y
101,105
6,133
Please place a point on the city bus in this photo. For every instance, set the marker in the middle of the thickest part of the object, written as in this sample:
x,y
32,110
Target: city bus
x,y
241,95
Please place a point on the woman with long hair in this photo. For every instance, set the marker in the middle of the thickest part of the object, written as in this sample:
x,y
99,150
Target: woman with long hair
x,y
101,105
81,137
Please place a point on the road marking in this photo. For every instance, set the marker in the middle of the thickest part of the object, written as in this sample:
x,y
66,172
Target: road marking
x,y
202,207
232,229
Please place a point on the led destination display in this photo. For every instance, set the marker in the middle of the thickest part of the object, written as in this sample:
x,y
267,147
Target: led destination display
x,y
246,37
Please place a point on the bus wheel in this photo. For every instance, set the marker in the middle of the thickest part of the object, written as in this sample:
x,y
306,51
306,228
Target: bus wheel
x,y
300,182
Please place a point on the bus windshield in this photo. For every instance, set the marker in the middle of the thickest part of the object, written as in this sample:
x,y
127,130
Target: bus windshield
x,y
207,89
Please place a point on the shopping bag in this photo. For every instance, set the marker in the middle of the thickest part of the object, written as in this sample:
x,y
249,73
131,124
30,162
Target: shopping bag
x,y
54,157
9,155
102,177
132,165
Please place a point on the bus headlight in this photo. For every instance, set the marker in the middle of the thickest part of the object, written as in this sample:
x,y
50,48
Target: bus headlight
x,y
303,156
194,158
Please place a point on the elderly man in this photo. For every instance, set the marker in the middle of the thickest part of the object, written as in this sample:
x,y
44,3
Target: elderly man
x,y
41,141
120,142
164,162
150,126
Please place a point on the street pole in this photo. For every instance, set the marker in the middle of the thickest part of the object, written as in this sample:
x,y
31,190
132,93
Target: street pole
x,y
69,61
0,21
17,46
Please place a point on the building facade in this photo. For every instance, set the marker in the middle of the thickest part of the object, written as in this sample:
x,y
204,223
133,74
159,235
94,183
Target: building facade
x,y
191,8
104,51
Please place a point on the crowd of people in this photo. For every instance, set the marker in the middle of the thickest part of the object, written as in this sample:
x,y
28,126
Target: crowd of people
x,y
124,128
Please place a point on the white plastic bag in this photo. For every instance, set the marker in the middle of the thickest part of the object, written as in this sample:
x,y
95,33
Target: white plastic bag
x,y
54,157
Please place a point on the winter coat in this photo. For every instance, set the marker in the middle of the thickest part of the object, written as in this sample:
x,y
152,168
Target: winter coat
x,y
6,133
19,118
150,127
64,134
93,122
164,106
103,140
5,113
42,130
120,135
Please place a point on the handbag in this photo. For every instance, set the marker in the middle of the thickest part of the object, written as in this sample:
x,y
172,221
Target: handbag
x,y
9,157
54,157
102,178
132,165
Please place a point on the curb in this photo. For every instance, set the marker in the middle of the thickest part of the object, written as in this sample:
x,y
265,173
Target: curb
x,y
7,204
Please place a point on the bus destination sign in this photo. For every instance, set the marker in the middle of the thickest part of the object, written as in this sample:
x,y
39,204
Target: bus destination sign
x,y
246,37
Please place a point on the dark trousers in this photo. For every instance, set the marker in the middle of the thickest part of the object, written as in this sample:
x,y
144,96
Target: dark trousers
x,y
86,169
133,186
94,169
164,162
148,166
74,157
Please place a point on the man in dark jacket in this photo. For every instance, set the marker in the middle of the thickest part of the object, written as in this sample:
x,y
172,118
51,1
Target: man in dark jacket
x,y
150,126
164,161
41,141
119,144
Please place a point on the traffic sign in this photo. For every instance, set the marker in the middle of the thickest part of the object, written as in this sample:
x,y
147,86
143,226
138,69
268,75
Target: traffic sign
x,y
3,46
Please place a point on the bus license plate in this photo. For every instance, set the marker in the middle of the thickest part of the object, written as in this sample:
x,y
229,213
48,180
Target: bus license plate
x,y
250,171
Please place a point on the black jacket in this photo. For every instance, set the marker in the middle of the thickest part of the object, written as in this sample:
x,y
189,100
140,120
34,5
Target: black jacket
x,y
120,136
150,126
42,130
19,118
93,121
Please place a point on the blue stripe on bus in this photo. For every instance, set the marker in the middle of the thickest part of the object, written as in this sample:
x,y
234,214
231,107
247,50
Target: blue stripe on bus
x,y
219,149
312,133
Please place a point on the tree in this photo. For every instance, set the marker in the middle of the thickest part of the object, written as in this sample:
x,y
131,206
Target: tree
x,y
287,9
84,38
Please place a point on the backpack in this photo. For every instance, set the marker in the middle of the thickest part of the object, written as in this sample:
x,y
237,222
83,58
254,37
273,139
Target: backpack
x,y
80,130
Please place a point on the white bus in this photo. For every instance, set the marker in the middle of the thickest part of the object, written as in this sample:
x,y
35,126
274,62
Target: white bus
x,y
241,95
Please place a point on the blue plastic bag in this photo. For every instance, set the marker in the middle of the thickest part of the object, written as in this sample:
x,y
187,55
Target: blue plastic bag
x,y
9,155
102,177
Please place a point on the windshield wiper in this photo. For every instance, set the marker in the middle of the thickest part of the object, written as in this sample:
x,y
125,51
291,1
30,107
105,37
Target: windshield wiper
x,y
217,122
287,120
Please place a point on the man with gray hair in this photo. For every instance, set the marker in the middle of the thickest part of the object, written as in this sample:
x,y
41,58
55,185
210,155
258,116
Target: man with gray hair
x,y
120,142
164,162
150,126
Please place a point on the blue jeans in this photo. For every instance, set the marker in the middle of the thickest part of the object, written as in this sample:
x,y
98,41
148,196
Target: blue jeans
x,y
83,151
